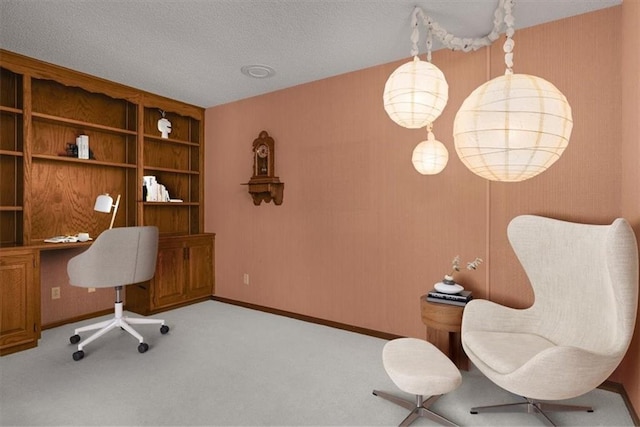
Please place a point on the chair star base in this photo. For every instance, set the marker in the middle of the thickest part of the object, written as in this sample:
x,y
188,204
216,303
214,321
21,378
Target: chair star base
x,y
532,407
118,320
418,409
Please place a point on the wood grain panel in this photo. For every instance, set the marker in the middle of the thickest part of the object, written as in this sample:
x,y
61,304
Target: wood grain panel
x,y
170,267
74,103
10,131
10,228
163,155
10,89
63,196
14,298
19,300
52,139
201,275
10,167
170,218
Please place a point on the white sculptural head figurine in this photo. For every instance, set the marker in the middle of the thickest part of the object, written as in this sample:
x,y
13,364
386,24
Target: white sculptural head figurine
x,y
164,126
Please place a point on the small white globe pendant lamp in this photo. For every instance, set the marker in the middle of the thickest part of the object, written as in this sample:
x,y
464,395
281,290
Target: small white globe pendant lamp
x,y
415,94
430,157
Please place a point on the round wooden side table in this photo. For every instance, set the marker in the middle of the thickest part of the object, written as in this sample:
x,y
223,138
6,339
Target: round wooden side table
x,y
444,323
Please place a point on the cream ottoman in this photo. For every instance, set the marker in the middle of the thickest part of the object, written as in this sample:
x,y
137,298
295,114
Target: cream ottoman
x,y
417,367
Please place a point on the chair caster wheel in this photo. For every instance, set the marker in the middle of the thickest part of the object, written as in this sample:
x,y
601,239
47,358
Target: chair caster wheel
x,y
75,339
164,329
473,412
143,347
78,355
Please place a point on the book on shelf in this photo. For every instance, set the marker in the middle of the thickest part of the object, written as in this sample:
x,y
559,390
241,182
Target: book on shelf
x,y
447,301
462,296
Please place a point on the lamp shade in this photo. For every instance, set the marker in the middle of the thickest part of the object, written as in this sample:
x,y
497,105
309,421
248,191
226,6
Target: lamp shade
x,y
430,157
104,203
415,94
512,128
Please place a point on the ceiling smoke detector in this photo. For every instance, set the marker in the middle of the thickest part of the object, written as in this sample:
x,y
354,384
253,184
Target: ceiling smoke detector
x,y
258,71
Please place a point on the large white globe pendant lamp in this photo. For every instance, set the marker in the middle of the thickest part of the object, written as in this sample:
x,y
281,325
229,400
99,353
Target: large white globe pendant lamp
x,y
430,157
415,94
512,128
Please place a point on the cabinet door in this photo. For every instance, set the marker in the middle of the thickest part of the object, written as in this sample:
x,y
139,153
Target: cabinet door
x,y
168,285
200,267
19,301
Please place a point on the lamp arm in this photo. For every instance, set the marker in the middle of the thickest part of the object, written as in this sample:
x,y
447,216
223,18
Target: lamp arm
x,y
115,211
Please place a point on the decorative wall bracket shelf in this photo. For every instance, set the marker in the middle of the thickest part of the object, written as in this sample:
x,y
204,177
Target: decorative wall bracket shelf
x,y
266,189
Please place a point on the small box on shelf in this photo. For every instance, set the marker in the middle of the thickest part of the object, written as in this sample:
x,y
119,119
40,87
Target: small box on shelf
x,y
82,142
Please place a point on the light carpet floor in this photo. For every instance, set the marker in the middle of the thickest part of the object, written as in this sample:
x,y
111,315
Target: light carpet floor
x,y
226,365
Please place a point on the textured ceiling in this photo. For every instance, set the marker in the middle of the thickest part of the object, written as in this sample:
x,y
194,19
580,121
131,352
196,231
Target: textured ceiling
x,y
193,50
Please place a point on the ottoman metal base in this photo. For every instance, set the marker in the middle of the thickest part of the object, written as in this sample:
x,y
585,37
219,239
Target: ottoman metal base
x,y
418,409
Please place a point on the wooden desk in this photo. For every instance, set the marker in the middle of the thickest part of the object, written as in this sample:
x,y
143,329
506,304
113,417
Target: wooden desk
x,y
444,322
184,274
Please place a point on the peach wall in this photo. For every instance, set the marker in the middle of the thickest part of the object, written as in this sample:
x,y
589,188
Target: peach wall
x,y
361,235
74,301
582,185
629,372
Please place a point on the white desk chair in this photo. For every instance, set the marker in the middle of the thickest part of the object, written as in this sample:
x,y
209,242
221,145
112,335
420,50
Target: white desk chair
x,y
119,257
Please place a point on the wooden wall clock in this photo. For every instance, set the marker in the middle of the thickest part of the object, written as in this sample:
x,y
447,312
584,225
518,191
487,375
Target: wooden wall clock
x,y
264,185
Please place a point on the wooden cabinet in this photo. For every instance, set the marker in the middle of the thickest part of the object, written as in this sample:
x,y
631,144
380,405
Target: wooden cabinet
x,y
47,191
184,274
19,300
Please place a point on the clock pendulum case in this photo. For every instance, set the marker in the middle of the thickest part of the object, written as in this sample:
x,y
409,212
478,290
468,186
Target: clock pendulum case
x,y
264,185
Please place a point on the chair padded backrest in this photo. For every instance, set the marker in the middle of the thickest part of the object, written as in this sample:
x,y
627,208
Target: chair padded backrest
x,y
584,278
118,257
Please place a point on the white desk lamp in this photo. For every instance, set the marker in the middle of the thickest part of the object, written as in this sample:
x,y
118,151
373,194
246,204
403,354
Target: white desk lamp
x,y
104,203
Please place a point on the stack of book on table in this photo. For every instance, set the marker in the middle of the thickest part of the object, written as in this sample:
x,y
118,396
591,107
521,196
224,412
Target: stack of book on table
x,y
461,298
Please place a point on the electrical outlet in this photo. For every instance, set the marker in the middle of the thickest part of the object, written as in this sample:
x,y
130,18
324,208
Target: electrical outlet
x,y
91,290
246,278
55,292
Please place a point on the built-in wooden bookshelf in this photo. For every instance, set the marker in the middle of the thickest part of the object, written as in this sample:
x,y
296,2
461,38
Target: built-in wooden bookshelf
x,y
46,191
176,163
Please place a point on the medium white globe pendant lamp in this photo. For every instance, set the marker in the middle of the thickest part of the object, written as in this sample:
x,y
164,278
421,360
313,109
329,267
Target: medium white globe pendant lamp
x,y
430,157
415,94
